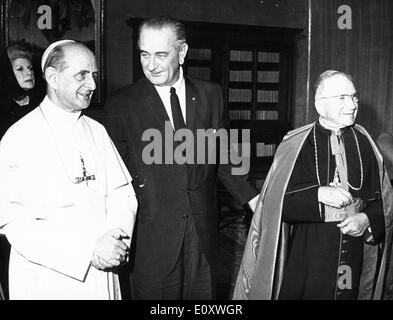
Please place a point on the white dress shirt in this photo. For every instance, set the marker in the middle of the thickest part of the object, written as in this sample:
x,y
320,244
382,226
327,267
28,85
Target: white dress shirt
x,y
165,95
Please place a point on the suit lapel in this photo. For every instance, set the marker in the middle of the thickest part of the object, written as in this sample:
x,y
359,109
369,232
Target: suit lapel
x,y
191,104
154,103
156,107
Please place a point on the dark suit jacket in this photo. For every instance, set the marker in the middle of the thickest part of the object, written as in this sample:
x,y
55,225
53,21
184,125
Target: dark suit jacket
x,y
166,193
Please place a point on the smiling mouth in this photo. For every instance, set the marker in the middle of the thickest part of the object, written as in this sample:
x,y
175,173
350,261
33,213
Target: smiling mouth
x,y
85,96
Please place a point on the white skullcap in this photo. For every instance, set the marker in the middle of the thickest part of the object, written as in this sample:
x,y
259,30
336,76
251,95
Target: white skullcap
x,y
49,50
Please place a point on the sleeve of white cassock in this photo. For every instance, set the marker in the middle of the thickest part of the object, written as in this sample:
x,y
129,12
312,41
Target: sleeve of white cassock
x,y
121,200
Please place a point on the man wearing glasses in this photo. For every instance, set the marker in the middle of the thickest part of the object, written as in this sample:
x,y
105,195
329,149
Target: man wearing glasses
x,y
319,230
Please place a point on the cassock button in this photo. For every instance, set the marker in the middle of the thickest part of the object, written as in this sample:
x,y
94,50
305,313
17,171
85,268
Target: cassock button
x,y
193,98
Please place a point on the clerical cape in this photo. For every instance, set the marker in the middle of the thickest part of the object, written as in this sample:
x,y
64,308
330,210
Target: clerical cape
x,y
266,251
62,186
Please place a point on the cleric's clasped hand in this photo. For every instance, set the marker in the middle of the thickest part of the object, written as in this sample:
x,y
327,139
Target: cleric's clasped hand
x,y
334,196
110,250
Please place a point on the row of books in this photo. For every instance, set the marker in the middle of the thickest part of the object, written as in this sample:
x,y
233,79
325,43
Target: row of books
x,y
269,57
199,54
270,96
240,114
246,115
239,95
240,75
241,56
269,76
267,115
244,95
247,56
203,73
262,149
262,76
265,150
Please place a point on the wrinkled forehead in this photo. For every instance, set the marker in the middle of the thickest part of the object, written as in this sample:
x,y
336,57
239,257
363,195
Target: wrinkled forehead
x,y
335,86
21,62
76,57
152,37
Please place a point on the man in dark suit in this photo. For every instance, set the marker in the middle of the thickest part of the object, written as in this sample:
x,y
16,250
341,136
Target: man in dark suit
x,y
175,248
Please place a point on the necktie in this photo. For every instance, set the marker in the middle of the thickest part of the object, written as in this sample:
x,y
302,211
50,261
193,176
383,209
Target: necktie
x,y
178,120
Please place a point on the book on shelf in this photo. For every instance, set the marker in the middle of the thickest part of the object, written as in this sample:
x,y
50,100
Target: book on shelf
x,y
203,73
241,56
199,54
240,75
269,96
268,76
240,114
265,150
267,115
268,57
239,95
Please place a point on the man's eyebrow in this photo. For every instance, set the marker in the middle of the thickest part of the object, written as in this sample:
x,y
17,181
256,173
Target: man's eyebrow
x,y
158,52
82,71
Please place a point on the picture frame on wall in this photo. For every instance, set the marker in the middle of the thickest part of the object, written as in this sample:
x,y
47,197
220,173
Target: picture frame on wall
x,y
38,23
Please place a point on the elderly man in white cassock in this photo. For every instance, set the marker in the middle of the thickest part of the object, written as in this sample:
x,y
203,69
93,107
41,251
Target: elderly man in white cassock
x,y
67,205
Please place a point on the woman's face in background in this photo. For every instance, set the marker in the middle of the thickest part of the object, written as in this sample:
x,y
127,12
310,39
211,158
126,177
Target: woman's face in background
x,y
24,73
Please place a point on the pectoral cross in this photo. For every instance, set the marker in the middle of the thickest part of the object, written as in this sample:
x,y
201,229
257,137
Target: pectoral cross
x,y
340,175
336,180
84,172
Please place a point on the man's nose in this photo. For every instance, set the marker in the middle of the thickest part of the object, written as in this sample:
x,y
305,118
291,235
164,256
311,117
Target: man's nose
x,y
350,103
151,65
91,84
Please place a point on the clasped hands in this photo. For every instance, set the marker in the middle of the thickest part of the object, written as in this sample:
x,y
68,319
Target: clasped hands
x,y
354,225
110,250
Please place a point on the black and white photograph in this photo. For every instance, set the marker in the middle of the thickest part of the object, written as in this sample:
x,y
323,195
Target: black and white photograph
x,y
196,155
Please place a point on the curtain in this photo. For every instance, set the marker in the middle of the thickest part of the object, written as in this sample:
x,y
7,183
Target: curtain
x,y
365,52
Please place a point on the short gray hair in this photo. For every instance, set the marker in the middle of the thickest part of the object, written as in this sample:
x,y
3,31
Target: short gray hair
x,y
56,57
327,75
161,22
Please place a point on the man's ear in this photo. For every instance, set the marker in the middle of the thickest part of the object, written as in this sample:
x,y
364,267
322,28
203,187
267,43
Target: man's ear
x,y
51,77
182,53
320,107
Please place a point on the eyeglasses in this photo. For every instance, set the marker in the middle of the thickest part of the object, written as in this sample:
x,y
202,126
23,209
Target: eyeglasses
x,y
354,97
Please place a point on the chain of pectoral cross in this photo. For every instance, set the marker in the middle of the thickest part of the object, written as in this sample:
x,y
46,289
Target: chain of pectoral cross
x,y
85,177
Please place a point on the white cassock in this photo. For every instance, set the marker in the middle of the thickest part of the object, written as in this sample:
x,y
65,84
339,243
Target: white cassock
x,y
52,221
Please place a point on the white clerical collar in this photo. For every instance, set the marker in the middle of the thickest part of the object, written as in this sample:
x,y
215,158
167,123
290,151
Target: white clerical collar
x,y
55,112
327,125
178,85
